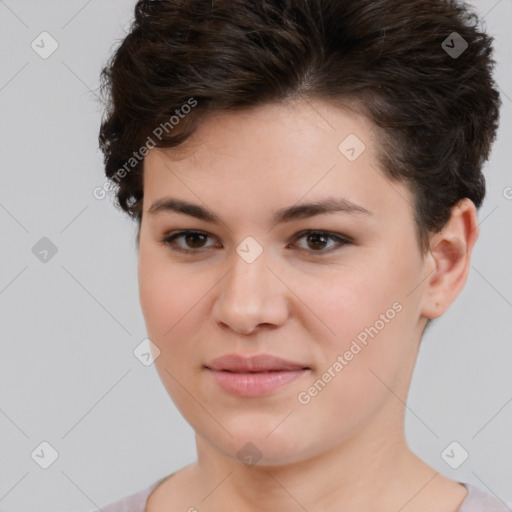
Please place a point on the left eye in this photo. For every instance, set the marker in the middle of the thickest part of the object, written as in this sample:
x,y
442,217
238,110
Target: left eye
x,y
195,240
320,238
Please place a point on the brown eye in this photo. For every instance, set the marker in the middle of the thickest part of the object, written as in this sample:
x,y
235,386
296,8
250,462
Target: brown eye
x,y
317,241
194,241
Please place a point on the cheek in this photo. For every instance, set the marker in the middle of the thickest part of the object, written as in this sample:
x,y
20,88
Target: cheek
x,y
165,291
361,362
347,300
169,299
174,303
364,317
154,296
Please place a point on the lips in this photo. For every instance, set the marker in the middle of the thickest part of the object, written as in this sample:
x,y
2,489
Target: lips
x,y
260,363
254,376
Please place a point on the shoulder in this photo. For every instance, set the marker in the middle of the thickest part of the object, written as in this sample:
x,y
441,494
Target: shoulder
x,y
479,501
135,502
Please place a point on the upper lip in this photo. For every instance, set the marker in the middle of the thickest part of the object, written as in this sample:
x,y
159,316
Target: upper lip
x,y
258,363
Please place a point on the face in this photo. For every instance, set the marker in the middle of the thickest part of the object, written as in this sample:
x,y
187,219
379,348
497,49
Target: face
x,y
331,291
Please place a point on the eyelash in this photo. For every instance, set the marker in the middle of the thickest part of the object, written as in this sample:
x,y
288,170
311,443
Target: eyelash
x,y
168,240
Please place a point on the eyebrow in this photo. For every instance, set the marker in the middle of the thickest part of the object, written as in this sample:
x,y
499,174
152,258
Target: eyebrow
x,y
287,214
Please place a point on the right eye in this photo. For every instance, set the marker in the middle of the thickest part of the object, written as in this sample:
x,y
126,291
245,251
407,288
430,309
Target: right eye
x,y
193,239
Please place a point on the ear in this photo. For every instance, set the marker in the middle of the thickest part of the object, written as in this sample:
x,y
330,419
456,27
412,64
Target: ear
x,y
449,259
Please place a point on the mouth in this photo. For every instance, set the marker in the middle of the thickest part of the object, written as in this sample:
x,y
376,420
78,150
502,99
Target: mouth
x,y
254,376
255,364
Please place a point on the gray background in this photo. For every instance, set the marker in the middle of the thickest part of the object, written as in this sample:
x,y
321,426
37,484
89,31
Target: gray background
x,y
68,327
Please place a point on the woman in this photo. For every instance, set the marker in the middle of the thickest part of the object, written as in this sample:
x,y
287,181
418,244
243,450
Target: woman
x,y
305,176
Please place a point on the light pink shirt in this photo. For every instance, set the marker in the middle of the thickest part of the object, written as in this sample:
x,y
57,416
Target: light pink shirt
x,y
475,501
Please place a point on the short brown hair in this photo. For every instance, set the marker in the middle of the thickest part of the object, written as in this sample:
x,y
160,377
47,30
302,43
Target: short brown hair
x,y
437,112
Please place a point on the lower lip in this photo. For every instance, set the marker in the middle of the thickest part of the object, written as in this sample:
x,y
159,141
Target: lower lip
x,y
254,384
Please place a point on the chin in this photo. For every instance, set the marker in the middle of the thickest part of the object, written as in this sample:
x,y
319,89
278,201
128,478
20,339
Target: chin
x,y
253,445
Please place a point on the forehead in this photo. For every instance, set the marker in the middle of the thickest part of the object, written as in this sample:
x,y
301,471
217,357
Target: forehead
x,y
279,127
275,155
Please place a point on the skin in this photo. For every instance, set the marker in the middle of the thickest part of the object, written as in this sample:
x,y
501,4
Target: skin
x,y
346,448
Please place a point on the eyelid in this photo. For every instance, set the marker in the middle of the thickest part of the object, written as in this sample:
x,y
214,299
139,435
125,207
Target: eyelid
x,y
341,240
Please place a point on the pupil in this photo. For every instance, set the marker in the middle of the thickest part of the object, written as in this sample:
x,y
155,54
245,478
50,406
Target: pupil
x,y
317,236
196,236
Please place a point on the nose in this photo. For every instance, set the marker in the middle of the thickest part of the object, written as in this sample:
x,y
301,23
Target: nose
x,y
251,297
